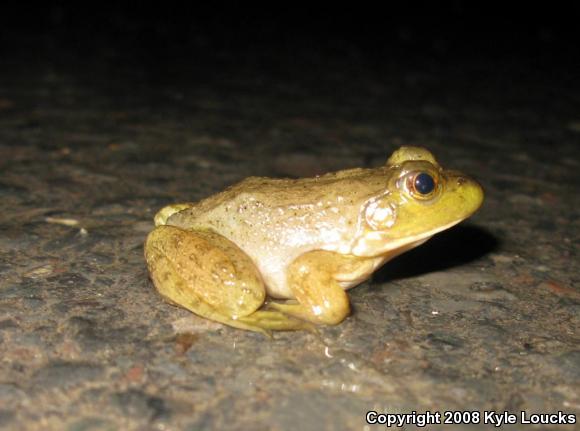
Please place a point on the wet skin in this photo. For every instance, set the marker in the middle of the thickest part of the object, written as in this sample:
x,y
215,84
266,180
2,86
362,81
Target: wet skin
x,y
306,240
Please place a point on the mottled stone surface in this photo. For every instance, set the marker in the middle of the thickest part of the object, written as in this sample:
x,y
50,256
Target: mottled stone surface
x,y
485,316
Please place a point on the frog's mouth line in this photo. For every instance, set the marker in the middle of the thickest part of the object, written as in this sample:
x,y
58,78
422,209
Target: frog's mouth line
x,y
392,248
417,240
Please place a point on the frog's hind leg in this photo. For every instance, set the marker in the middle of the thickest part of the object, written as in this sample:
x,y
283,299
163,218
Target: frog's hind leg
x,y
209,275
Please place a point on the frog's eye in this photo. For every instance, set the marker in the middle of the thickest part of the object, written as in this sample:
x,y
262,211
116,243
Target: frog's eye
x,y
422,185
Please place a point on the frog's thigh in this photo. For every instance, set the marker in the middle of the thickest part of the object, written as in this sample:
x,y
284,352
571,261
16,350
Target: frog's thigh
x,y
313,280
209,275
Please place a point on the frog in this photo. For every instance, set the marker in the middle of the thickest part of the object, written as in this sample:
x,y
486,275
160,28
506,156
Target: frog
x,y
279,254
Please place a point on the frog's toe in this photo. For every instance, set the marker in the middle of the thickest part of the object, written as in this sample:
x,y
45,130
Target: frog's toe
x,y
325,317
164,213
266,320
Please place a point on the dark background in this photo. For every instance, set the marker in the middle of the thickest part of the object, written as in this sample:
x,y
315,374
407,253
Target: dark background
x,y
483,50
133,33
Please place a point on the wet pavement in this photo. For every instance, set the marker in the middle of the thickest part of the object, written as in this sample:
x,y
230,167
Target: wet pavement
x,y
484,317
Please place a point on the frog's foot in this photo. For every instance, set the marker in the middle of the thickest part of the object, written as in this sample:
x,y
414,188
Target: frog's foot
x,y
209,275
164,213
321,300
306,313
275,321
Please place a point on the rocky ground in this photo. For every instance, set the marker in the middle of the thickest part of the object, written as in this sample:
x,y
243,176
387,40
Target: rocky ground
x,y
484,317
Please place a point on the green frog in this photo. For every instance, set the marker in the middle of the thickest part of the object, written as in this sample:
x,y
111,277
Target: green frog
x,y
279,254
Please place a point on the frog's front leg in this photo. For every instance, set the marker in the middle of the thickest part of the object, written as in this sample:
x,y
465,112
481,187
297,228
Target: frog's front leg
x,y
314,279
209,275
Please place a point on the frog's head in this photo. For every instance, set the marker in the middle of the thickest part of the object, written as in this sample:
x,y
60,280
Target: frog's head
x,y
421,199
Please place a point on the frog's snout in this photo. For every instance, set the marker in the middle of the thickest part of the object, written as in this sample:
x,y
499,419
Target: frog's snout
x,y
471,191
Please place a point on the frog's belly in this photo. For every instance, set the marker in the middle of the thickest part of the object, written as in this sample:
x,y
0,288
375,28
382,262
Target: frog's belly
x,y
275,280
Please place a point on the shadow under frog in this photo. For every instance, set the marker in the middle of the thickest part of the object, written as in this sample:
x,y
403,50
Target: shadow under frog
x,y
454,247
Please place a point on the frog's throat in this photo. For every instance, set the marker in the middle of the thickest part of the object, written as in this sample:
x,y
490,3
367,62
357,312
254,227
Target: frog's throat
x,y
378,243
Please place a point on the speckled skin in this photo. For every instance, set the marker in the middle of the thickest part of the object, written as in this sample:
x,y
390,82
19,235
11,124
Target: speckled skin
x,y
307,239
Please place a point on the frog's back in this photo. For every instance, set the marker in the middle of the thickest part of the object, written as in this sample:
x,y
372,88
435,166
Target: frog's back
x,y
290,212
273,193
